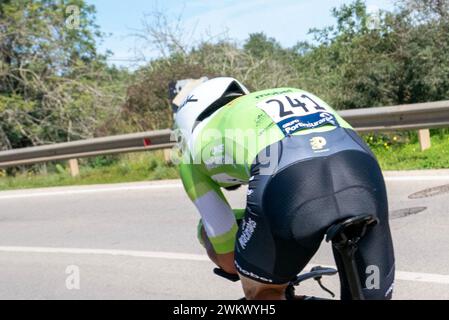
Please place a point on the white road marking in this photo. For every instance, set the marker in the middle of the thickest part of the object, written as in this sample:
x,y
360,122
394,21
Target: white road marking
x,y
128,253
99,189
416,178
403,275
33,194
422,277
400,275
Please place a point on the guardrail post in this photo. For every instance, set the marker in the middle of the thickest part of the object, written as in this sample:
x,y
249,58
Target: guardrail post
x,y
167,155
74,168
43,169
424,139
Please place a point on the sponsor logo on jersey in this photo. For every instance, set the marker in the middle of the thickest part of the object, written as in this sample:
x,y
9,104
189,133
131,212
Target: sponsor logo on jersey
x,y
307,122
248,227
317,143
250,274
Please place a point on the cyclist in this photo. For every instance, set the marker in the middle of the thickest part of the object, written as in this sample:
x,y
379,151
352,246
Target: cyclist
x,y
306,169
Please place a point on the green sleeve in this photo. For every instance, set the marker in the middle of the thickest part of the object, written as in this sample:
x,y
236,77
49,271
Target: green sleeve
x,y
216,214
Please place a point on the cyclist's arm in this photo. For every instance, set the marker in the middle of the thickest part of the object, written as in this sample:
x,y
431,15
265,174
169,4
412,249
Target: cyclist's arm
x,y
218,218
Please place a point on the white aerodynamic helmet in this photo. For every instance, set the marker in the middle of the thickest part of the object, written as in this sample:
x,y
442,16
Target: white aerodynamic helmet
x,y
204,100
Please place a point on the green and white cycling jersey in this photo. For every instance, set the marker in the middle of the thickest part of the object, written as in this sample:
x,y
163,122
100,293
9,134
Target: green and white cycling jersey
x,y
223,146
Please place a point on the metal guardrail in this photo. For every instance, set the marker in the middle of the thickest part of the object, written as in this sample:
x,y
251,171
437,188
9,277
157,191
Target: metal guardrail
x,y
133,142
403,117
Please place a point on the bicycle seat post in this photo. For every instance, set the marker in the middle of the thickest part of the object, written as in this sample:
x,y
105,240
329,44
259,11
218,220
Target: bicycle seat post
x,y
344,237
347,251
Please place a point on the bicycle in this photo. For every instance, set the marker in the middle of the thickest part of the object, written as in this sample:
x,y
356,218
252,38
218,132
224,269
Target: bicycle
x,y
344,236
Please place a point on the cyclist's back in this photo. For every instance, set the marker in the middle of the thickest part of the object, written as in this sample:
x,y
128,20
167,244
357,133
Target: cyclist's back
x,y
306,169
227,142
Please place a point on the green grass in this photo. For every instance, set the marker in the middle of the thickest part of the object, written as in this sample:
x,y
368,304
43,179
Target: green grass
x,y
407,155
128,168
400,151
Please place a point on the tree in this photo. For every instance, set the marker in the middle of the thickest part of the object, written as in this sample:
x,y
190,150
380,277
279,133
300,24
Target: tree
x,y
404,59
53,83
259,45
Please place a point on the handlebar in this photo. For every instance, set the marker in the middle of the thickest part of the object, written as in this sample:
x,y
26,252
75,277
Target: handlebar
x,y
316,273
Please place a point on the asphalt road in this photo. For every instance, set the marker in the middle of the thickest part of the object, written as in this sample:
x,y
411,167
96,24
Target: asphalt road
x,y
138,241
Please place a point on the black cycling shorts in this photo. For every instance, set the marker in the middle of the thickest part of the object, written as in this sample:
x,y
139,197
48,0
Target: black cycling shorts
x,y
313,181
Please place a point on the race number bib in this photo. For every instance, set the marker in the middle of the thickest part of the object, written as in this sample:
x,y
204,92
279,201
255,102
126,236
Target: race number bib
x,y
296,111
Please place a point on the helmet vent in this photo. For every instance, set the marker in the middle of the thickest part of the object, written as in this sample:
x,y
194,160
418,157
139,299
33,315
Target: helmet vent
x,y
232,92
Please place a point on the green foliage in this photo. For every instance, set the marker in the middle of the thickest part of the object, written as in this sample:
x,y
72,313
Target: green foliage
x,y
260,46
54,86
364,60
127,168
395,61
408,156
60,169
147,106
102,161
